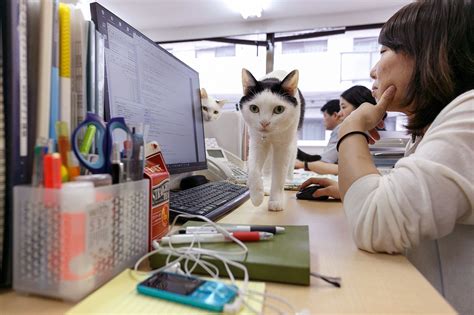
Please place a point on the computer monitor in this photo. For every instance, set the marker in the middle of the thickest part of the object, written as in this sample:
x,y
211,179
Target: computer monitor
x,y
147,84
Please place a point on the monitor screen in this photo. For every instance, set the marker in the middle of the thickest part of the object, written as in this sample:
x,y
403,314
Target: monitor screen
x,y
146,84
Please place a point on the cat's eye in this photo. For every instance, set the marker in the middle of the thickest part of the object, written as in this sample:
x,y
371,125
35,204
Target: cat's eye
x,y
216,112
254,108
205,108
279,109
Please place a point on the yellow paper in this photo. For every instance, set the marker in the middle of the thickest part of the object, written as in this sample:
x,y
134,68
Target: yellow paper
x,y
120,296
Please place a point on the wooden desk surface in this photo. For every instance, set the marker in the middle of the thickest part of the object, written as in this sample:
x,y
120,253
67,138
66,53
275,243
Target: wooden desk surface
x,y
371,283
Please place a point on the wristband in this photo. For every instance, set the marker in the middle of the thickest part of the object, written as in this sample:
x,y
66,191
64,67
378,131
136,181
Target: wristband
x,y
306,167
351,133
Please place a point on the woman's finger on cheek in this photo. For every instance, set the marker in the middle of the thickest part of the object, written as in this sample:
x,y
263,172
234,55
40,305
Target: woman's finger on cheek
x,y
387,97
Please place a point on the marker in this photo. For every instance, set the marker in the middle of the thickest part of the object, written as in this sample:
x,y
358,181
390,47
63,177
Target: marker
x,y
52,170
64,146
86,144
238,228
216,237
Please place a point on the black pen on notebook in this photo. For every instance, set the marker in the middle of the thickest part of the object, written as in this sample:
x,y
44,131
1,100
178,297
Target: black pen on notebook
x,y
235,228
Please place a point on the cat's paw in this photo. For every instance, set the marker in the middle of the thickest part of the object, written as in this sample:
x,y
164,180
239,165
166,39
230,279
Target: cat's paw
x,y
266,189
275,205
256,196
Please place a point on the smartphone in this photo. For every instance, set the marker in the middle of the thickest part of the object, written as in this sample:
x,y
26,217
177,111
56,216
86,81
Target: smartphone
x,y
209,295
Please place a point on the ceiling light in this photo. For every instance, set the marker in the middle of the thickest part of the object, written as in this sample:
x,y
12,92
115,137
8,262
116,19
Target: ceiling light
x,y
249,8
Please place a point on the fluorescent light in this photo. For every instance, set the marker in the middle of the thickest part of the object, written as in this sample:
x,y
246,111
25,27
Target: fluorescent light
x,y
249,8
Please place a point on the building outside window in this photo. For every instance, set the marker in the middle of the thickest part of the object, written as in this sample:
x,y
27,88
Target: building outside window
x,y
327,65
301,47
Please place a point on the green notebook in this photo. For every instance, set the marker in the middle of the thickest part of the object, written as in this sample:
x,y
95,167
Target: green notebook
x,y
285,258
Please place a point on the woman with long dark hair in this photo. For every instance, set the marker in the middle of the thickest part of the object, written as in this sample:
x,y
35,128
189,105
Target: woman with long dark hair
x,y
425,206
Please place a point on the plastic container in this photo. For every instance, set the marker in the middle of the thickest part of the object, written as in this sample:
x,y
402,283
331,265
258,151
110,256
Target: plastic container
x,y
70,241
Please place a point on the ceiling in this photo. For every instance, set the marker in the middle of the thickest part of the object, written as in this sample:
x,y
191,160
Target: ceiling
x,y
163,20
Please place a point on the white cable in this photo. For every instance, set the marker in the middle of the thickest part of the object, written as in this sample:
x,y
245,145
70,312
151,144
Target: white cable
x,y
185,255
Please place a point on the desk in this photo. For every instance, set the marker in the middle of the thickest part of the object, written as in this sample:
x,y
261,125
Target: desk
x,y
371,283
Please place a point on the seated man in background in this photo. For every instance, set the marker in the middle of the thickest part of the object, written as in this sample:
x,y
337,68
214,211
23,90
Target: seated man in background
x,y
331,120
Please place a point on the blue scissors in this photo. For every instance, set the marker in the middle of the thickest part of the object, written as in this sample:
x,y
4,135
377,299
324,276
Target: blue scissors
x,y
104,142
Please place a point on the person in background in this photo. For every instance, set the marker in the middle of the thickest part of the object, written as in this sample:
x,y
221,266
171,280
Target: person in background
x,y
425,206
331,120
350,99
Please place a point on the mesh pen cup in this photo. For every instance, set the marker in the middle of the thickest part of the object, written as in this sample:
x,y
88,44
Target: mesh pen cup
x,y
70,241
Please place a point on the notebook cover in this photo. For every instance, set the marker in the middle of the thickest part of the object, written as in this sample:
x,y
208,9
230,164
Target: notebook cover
x,y
284,259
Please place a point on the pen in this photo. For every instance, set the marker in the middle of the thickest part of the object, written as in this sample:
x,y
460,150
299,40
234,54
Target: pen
x,y
238,228
216,237
117,165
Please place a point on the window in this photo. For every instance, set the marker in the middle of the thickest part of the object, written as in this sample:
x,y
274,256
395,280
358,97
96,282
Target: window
x,y
224,51
366,44
327,66
220,64
304,47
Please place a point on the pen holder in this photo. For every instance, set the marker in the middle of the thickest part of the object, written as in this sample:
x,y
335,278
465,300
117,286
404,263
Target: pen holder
x,y
68,242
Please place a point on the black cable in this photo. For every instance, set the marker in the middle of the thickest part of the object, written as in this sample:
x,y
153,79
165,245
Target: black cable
x,y
335,281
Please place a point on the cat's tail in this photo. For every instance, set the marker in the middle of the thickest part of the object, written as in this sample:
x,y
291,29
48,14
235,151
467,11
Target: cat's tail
x,y
305,157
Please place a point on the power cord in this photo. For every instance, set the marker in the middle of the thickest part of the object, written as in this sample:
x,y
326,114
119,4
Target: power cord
x,y
335,281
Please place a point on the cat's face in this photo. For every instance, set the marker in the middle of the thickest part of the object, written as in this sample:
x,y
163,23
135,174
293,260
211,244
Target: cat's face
x,y
271,105
211,108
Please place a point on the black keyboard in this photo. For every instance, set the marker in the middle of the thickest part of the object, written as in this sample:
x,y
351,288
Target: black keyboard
x,y
211,200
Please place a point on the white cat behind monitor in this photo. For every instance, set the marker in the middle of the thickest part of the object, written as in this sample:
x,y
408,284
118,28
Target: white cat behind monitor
x,y
211,108
273,109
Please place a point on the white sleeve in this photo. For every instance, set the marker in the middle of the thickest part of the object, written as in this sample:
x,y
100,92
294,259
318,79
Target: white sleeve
x,y
427,192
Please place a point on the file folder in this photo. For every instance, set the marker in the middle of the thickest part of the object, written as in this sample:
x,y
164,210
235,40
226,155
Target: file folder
x,y
13,18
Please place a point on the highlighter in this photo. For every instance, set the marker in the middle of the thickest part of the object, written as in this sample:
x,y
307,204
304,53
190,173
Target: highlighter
x,y
86,144
52,170
73,168
64,145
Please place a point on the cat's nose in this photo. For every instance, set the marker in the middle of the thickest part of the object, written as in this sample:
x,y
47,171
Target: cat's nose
x,y
265,124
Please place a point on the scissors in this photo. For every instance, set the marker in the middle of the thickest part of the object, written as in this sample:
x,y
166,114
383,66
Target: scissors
x,y
104,142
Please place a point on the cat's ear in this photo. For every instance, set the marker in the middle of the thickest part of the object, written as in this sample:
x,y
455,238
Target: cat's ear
x,y
221,102
290,82
203,93
248,80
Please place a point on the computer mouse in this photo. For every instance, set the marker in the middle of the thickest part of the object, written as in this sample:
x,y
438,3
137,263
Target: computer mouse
x,y
307,193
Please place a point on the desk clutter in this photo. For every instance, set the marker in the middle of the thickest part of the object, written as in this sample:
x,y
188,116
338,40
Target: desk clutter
x,y
55,130
68,242
284,257
120,296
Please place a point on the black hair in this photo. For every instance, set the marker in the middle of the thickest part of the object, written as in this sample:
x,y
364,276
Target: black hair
x,y
357,95
331,107
438,36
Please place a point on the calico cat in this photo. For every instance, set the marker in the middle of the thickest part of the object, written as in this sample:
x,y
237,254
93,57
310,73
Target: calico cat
x,y
211,108
273,110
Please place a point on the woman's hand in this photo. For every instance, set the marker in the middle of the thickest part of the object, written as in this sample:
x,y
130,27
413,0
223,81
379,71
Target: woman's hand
x,y
368,117
330,189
